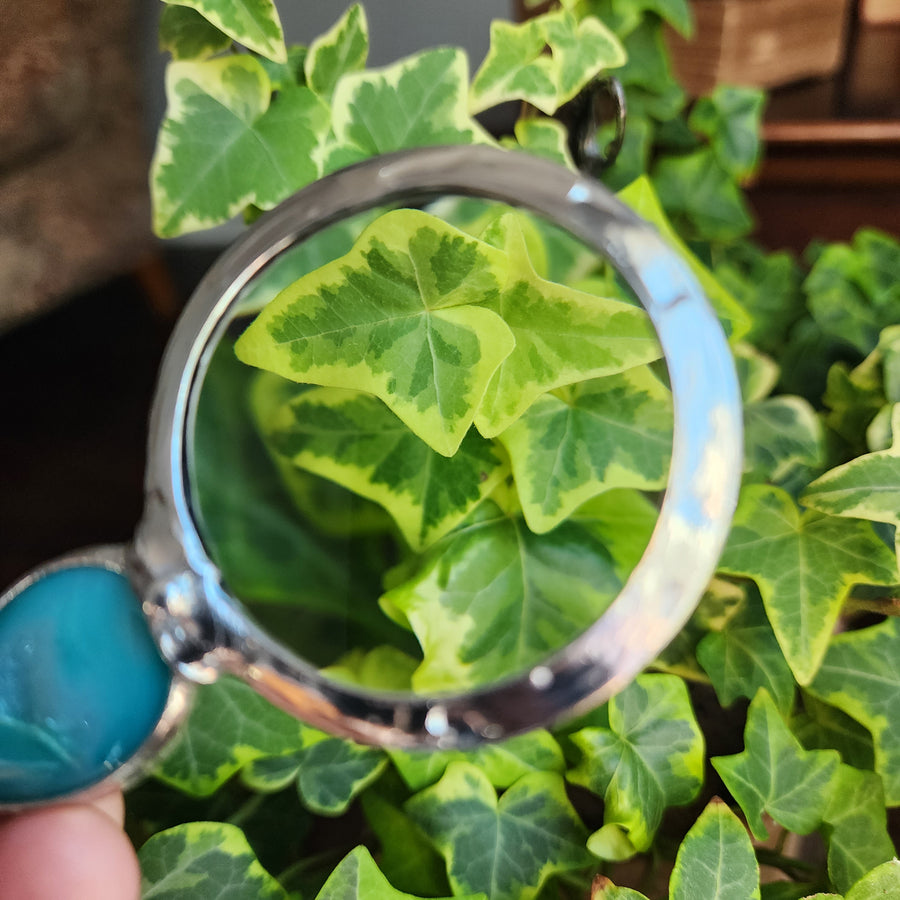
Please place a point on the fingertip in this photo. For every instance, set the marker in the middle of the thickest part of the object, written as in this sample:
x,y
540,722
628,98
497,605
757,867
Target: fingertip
x,y
76,851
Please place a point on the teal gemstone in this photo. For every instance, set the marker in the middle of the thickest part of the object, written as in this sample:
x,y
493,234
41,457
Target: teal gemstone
x,y
82,685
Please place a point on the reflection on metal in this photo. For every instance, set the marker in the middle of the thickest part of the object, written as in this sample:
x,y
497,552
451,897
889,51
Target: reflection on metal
x,y
597,110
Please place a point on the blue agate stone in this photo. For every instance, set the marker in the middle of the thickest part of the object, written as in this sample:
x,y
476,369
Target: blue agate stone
x,y
82,685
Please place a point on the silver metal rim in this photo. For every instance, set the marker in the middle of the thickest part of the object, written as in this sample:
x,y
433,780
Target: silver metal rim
x,y
204,632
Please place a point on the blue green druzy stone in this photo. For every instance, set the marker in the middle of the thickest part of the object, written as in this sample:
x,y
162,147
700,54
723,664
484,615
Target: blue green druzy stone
x,y
82,685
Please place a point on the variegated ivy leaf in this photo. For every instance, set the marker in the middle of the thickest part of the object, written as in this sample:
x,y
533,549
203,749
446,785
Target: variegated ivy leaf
x,y
230,726
502,763
883,881
820,726
613,432
343,48
505,848
383,668
757,373
188,35
354,440
562,335
357,877
642,198
204,859
856,827
603,889
745,656
253,23
416,102
774,774
804,565
548,138
226,143
861,677
517,66
648,759
396,318
492,597
716,860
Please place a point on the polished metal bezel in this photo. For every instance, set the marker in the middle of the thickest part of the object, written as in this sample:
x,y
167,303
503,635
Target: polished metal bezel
x,y
112,557
204,632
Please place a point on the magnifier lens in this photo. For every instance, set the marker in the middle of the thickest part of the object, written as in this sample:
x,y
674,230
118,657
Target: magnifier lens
x,y
333,501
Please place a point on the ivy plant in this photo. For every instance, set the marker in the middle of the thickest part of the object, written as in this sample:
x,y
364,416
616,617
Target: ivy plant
x,y
435,448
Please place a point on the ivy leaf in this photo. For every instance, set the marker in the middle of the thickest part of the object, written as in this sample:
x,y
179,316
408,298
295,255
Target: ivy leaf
x,y
757,373
879,883
503,763
382,668
517,66
357,877
204,859
230,726
650,757
861,677
856,827
394,318
716,860
613,432
225,143
253,23
562,335
548,138
416,102
642,198
731,117
774,774
745,656
697,191
505,848
603,889
356,441
804,565
343,48
188,35
820,726
493,598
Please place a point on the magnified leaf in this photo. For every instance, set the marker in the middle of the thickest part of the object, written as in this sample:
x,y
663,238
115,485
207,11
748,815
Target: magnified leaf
x,y
226,143
394,318
613,432
492,598
188,35
774,774
861,676
204,859
716,860
543,137
804,565
253,23
506,848
650,757
343,48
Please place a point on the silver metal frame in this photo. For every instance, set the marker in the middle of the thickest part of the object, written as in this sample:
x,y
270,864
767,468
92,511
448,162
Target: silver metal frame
x,y
204,632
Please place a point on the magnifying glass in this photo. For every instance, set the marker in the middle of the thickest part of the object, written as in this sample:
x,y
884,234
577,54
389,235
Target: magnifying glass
x,y
100,650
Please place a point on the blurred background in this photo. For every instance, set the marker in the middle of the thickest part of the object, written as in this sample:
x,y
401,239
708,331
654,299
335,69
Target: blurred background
x,y
88,296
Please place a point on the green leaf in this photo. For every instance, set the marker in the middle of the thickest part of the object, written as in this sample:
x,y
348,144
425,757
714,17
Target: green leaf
x,y
613,432
226,143
416,102
731,118
253,23
356,441
611,843
642,198
650,757
343,48
204,859
757,373
698,193
820,726
230,726
493,598
358,877
856,827
505,848
517,66
562,335
542,137
716,860
854,396
603,889
188,35
804,565
745,656
381,668
881,882
774,774
502,763
861,677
